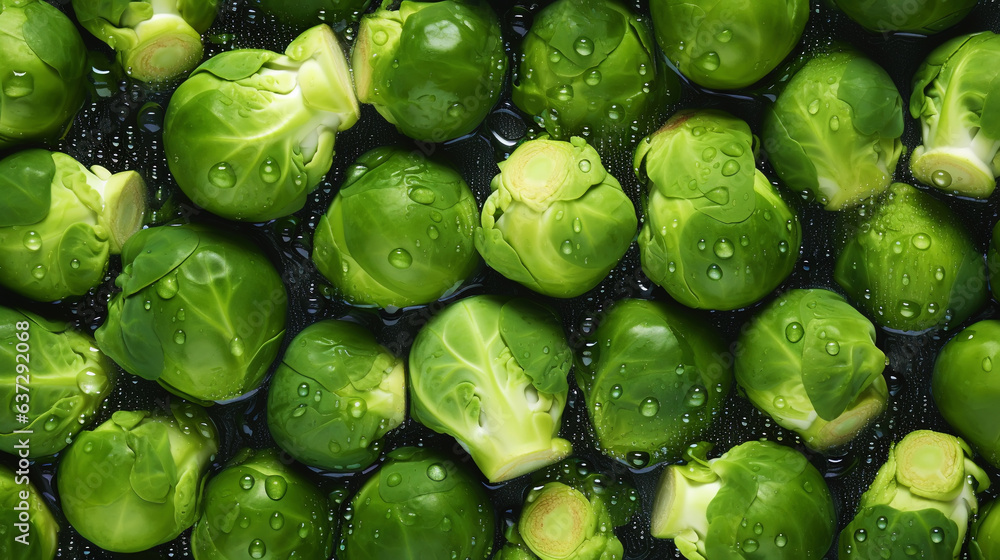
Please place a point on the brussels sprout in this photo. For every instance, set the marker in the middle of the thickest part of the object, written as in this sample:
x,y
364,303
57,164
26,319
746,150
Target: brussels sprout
x,y
334,396
258,507
590,65
833,134
726,44
809,361
433,69
250,134
156,40
910,265
557,221
759,500
956,96
44,64
560,522
919,503
984,539
717,235
418,506
426,254
60,222
59,369
307,13
134,481
911,16
202,312
966,390
654,380
30,530
492,372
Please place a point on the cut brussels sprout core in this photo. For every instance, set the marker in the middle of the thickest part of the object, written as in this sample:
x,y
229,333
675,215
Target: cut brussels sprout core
x,y
554,522
956,96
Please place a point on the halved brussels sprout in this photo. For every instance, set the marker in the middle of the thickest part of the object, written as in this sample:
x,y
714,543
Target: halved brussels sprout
x,y
561,523
201,311
250,134
557,221
55,373
135,481
60,222
727,44
492,372
335,395
156,40
399,232
910,265
433,69
591,65
418,505
258,507
833,134
654,380
30,530
717,235
44,66
809,361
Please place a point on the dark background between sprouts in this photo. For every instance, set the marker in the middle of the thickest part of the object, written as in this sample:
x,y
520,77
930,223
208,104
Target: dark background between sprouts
x,y
120,128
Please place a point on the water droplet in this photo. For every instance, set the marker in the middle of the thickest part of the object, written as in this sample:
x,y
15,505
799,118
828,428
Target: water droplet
x,y
833,348
88,447
698,131
719,196
246,482
147,305
708,154
275,487
437,472
813,107
615,112
257,549
882,523
921,241
750,545
709,62
714,272
733,149
730,168
277,521
236,347
908,309
166,288
566,247
577,225
696,396
860,535
987,364
179,337
724,248
304,390
584,165
911,550
38,272
357,408
222,175
456,110
937,535
298,411
724,36
270,172
779,402
584,46
617,391
744,241
422,195
380,37
394,479
941,179
400,258
780,540
835,123
555,57
51,424
939,274
18,84
433,232
32,241
74,264
782,247
649,407
593,78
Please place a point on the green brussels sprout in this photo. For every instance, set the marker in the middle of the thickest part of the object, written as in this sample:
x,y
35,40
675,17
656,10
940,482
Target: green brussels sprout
x,y
307,13
984,538
758,500
335,395
30,530
52,373
429,250
654,380
965,389
956,96
44,65
560,522
809,361
135,481
557,221
590,65
433,69
919,503
833,133
910,265
60,222
726,44
418,506
200,311
911,16
492,373
250,134
156,40
717,235
258,507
